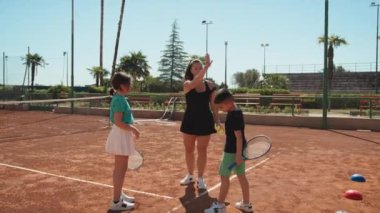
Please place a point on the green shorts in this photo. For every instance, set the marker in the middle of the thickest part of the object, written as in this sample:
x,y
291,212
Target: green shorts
x,y
227,160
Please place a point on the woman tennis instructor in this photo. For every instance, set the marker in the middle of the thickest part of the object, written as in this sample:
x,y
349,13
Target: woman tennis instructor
x,y
198,122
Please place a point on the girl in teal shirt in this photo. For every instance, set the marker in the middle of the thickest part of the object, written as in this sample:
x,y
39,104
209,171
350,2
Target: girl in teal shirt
x,y
120,141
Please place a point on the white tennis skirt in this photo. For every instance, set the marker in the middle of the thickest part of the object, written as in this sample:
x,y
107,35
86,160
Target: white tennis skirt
x,y
120,142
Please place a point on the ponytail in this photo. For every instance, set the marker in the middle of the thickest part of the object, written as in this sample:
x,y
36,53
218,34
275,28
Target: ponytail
x,y
112,91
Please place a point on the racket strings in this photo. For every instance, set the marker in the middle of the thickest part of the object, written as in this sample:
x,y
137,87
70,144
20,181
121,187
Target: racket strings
x,y
257,148
135,161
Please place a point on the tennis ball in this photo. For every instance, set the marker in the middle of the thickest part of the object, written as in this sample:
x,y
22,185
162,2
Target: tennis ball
x,y
219,129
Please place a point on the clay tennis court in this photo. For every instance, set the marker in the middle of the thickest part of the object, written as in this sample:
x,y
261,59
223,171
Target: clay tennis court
x,y
56,163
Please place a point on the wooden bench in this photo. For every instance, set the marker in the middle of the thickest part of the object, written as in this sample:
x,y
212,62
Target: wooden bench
x,y
364,103
139,100
248,100
284,100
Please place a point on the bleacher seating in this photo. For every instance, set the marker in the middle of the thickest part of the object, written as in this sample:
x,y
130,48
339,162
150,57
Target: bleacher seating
x,y
342,82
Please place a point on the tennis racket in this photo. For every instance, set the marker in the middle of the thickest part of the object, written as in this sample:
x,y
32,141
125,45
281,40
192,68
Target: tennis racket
x,y
257,147
135,160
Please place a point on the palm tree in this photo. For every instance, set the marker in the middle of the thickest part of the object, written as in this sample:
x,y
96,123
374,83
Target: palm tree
x,y
334,41
98,73
103,75
118,36
134,64
34,61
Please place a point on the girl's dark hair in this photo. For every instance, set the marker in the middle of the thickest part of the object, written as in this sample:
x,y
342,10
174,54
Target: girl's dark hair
x,y
222,95
119,79
188,74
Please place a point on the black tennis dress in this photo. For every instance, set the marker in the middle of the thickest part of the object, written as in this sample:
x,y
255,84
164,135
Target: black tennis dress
x,y
198,119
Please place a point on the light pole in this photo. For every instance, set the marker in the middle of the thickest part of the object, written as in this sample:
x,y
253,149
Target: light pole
x,y
6,70
72,56
4,74
63,68
225,64
28,70
204,22
66,57
264,46
373,4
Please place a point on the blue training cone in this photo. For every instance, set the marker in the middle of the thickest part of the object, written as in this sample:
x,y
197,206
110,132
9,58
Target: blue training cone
x,y
357,178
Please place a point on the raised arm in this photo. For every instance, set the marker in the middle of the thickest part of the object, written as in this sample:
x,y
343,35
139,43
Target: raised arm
x,y
198,79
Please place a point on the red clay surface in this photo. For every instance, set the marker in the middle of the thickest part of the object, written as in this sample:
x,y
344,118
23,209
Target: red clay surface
x,y
307,171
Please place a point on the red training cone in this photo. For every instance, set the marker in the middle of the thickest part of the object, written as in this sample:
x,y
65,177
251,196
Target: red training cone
x,y
353,195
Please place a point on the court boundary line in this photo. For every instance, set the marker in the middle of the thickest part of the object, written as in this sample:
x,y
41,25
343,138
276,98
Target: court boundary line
x,y
219,184
83,181
168,122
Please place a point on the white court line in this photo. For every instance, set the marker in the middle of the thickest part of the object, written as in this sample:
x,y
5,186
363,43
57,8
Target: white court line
x,y
84,181
154,120
217,186
157,121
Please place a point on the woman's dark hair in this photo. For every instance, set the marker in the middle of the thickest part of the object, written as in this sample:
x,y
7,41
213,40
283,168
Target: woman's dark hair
x,y
222,95
188,74
119,79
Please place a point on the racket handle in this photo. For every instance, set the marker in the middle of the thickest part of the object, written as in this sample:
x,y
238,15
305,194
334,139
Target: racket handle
x,y
232,166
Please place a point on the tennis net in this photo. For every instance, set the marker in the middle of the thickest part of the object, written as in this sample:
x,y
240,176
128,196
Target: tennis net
x,y
83,105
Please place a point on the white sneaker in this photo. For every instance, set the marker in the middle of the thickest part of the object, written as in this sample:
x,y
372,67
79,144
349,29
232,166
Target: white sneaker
x,y
187,180
244,207
122,205
216,207
127,198
201,183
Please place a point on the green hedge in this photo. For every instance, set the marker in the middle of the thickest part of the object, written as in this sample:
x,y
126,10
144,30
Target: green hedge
x,y
59,91
338,101
245,90
158,99
95,89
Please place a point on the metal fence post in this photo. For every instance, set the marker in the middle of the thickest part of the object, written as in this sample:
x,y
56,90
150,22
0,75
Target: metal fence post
x,y
292,106
370,107
325,100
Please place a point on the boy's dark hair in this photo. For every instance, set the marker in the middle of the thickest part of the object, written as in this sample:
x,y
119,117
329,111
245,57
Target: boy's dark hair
x,y
223,95
118,79
188,74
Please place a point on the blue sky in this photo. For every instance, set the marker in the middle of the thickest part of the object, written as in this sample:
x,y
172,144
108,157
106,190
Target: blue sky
x,y
289,26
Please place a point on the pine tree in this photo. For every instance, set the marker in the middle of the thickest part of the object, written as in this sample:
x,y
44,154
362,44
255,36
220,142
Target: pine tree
x,y
173,59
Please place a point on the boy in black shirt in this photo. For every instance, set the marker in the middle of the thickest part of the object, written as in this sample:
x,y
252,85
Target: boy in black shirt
x,y
235,143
